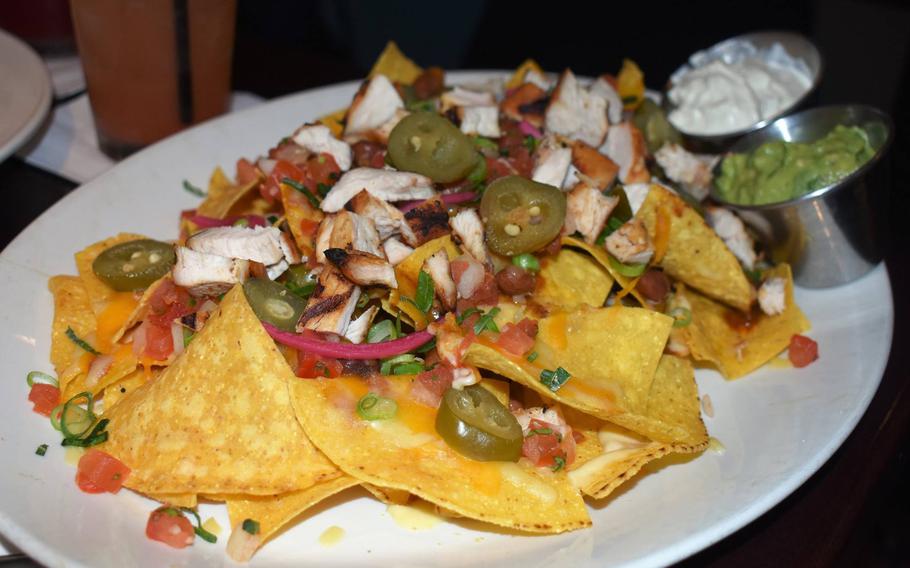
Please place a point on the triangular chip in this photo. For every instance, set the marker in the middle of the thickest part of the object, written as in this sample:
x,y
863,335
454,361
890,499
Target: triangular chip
x,y
224,197
214,417
335,121
99,293
694,253
406,453
72,310
716,336
518,77
600,254
570,280
303,219
117,391
188,500
121,363
274,512
395,65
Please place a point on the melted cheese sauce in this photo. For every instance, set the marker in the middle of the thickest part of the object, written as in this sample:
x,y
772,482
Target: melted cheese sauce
x,y
417,517
331,536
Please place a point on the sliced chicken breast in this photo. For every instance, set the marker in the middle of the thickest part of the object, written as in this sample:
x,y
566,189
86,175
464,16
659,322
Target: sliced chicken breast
x,y
468,227
396,251
266,245
587,211
205,274
528,102
626,146
357,329
732,231
631,244
576,113
602,88
373,105
363,268
330,307
317,138
597,170
323,238
480,120
387,218
427,221
690,170
551,162
354,232
437,266
389,185
461,97
772,296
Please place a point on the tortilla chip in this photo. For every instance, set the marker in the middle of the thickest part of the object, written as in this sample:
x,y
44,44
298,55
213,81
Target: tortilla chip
x,y
518,77
407,273
115,392
406,453
188,500
602,257
612,355
570,280
738,351
274,512
72,309
224,198
395,65
695,254
387,495
213,418
124,364
99,293
303,219
335,121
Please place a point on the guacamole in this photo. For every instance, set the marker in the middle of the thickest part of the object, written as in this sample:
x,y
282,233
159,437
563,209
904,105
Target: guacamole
x,y
779,171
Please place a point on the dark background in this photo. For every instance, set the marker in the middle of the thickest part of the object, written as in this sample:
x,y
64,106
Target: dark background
x,y
856,509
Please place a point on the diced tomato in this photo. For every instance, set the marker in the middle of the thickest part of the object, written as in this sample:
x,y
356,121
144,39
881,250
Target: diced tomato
x,y
803,350
542,449
487,294
429,386
44,397
289,151
498,167
99,472
271,190
518,338
168,525
310,365
309,228
159,342
323,169
168,303
513,145
246,172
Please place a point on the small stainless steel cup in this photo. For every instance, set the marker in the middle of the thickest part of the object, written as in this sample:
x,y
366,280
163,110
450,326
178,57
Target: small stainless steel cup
x,y
833,235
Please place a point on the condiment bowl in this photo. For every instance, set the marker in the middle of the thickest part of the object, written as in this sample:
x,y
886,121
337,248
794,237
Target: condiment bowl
x,y
832,235
796,45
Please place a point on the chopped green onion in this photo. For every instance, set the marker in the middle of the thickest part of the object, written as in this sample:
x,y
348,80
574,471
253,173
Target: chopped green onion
x,y
466,314
375,407
200,532
540,432
193,189
682,317
398,324
188,336
613,223
314,201
80,342
486,323
559,463
530,143
481,142
242,222
75,420
754,276
39,377
97,436
423,297
382,331
250,526
627,270
554,380
56,414
390,366
527,262
426,347
42,449
323,189
532,356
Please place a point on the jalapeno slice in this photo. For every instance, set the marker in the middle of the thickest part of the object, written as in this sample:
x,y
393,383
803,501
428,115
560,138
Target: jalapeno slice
x,y
274,303
475,424
428,144
521,215
134,265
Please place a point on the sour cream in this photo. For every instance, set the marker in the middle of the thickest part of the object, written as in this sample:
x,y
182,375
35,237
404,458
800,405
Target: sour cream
x,y
732,92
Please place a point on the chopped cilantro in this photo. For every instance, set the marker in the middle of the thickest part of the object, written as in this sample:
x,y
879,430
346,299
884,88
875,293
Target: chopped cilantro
x,y
486,323
250,526
540,432
197,191
314,201
80,342
532,356
554,380
530,143
423,298
323,189
42,449
466,314
559,463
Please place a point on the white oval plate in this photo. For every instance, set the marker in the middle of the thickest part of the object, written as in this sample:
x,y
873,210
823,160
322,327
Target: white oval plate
x,y
778,425
25,93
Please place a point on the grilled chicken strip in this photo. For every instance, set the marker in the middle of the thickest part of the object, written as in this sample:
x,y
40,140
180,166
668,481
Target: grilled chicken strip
x,y
207,274
330,307
363,268
357,329
323,238
732,231
603,88
437,266
354,232
374,104
317,138
396,251
527,102
576,113
468,227
626,146
385,184
631,244
387,219
551,162
427,221
598,170
587,210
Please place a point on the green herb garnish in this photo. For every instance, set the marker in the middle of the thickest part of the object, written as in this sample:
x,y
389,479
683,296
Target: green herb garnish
x,y
554,380
382,331
559,463
540,432
375,407
532,356
527,262
423,297
426,347
530,143
250,526
405,364
466,314
314,201
481,143
323,189
682,317
486,323
39,377
80,342
42,449
612,224
200,532
193,189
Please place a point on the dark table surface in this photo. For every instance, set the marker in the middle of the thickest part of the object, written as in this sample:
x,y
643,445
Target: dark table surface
x,y
856,509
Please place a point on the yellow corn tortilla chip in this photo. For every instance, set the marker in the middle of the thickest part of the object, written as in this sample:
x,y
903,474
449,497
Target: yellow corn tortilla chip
x,y
115,392
99,293
335,121
302,219
275,512
602,257
736,351
407,273
226,198
213,418
612,355
571,279
387,495
72,309
518,77
695,254
406,453
124,363
395,65
188,500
